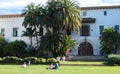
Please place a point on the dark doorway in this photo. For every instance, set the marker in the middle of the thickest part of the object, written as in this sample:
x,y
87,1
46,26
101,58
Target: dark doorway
x,y
85,49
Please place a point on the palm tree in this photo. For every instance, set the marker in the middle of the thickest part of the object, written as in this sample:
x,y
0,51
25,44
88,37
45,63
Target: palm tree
x,y
65,14
61,15
67,44
50,43
31,13
30,33
109,40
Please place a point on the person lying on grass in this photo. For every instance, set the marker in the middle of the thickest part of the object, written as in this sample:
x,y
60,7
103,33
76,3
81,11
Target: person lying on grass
x,y
54,67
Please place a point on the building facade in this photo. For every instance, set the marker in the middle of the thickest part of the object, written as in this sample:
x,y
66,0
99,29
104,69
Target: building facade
x,y
95,19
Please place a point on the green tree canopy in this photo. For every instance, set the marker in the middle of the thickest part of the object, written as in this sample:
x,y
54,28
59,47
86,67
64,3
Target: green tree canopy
x,y
64,14
109,40
58,15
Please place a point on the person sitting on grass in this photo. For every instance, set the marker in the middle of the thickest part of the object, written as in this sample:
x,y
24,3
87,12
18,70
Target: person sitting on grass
x,y
56,65
24,65
51,66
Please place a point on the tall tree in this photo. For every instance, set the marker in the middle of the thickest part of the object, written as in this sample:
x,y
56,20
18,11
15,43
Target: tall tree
x,y
65,14
59,15
29,33
31,19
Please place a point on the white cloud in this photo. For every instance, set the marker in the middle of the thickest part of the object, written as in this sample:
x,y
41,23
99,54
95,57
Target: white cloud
x,y
19,3
16,6
89,2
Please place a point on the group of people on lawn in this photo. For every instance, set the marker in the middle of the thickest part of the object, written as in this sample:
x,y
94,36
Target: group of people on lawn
x,y
57,64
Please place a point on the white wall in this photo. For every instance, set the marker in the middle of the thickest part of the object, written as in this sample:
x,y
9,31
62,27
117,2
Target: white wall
x,y
111,19
8,24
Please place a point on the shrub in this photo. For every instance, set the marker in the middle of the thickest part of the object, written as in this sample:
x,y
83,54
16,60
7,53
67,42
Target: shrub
x,y
1,60
113,59
3,43
33,60
51,60
41,60
12,60
16,48
31,50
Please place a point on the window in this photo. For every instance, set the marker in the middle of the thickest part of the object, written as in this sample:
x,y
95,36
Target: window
x,y
85,31
15,32
101,29
2,31
116,28
105,13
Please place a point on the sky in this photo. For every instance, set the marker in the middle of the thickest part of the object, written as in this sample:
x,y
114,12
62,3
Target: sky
x,y
16,6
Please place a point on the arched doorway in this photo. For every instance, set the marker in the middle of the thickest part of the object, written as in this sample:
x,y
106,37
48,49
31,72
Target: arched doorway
x,y
85,49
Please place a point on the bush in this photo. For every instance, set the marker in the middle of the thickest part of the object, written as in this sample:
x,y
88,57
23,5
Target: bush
x,y
51,60
16,48
41,60
1,60
12,60
113,59
32,51
3,43
33,60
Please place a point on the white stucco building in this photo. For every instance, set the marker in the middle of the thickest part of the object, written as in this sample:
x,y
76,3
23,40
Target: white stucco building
x,y
95,19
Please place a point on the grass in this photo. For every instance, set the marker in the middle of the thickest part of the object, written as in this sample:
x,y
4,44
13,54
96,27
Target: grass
x,y
41,69
83,62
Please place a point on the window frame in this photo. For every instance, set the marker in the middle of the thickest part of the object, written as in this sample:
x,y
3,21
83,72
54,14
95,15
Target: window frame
x,y
3,31
83,32
101,28
15,32
116,27
105,13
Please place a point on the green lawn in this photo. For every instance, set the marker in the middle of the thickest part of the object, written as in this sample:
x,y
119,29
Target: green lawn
x,y
41,69
83,62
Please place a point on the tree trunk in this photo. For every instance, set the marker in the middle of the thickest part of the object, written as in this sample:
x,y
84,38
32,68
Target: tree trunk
x,y
31,40
36,37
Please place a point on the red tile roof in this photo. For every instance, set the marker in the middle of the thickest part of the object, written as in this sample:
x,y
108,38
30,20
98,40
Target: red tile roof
x,y
10,15
100,7
83,8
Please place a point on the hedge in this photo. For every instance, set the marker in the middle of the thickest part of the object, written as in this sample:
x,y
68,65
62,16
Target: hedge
x,y
51,60
33,60
11,60
113,59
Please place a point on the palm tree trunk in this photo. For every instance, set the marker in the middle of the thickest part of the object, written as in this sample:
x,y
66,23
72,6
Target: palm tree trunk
x,y
31,41
36,37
